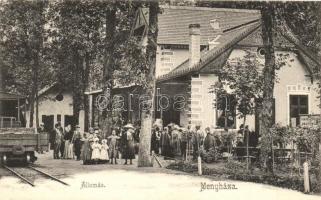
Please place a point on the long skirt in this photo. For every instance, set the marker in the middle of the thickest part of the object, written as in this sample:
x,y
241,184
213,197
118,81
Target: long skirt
x,y
104,154
66,156
86,151
70,151
129,151
95,154
77,146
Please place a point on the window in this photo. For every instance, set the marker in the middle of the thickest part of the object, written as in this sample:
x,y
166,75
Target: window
x,y
299,105
58,118
226,112
59,97
166,59
261,52
168,53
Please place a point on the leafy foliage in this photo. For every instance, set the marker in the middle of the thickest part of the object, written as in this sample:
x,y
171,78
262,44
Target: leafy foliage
x,y
241,76
21,35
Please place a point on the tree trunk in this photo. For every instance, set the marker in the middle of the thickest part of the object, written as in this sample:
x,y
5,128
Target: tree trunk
x,y
144,159
85,85
108,67
76,86
32,109
36,83
319,142
268,71
247,144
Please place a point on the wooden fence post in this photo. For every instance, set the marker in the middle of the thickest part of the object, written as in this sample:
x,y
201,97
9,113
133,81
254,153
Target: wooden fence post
x,y
306,177
152,160
199,164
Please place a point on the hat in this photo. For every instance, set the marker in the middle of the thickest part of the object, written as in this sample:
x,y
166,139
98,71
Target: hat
x,y
129,126
42,124
176,127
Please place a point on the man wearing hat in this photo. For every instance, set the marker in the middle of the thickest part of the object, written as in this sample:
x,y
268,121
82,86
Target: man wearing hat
x,y
129,148
41,128
77,142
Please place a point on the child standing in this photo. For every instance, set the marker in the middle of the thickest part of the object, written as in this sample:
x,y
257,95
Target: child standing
x,y
113,144
96,150
104,151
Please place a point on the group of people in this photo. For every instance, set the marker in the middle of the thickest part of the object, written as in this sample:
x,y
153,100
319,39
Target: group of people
x,y
174,140
66,142
93,146
119,144
169,141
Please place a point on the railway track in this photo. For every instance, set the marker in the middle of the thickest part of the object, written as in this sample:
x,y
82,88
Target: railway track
x,y
28,181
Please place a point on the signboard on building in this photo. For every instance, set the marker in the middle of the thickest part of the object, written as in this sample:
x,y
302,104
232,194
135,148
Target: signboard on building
x,y
310,120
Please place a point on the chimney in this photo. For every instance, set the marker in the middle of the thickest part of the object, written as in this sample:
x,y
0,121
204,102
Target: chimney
x,y
195,44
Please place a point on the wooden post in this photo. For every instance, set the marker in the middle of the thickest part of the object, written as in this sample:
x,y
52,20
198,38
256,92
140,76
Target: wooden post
x,y
272,154
90,114
18,110
152,159
199,165
38,140
306,177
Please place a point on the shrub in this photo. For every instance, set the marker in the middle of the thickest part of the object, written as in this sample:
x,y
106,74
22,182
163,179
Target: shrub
x,y
210,156
234,167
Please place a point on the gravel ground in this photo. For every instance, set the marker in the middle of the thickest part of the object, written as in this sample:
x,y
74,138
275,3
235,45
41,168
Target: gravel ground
x,y
107,181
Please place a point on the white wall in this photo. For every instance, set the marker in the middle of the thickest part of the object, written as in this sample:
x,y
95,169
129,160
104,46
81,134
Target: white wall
x,y
48,105
179,56
202,111
291,79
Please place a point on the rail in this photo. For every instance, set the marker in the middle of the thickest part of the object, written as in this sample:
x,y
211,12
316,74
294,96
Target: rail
x,y
24,179
19,176
48,175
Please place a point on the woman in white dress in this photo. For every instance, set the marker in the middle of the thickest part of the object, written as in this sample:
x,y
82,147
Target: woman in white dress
x,y
95,150
104,151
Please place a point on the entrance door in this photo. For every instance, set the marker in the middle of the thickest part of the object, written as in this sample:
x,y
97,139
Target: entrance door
x,y
171,116
48,121
69,119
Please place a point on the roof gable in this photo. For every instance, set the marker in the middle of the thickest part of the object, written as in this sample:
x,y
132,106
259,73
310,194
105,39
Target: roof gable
x,y
173,22
218,54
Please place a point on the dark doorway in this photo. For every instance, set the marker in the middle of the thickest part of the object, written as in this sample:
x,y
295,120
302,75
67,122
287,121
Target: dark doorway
x,y
48,121
69,119
171,116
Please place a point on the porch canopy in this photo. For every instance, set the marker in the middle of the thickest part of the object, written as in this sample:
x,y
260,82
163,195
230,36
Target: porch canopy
x,y
9,96
10,109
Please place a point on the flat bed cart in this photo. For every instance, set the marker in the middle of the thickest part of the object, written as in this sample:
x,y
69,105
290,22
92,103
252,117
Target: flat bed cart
x,y
21,143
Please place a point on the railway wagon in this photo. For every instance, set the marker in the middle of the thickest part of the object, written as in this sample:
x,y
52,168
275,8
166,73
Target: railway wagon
x,y
21,143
